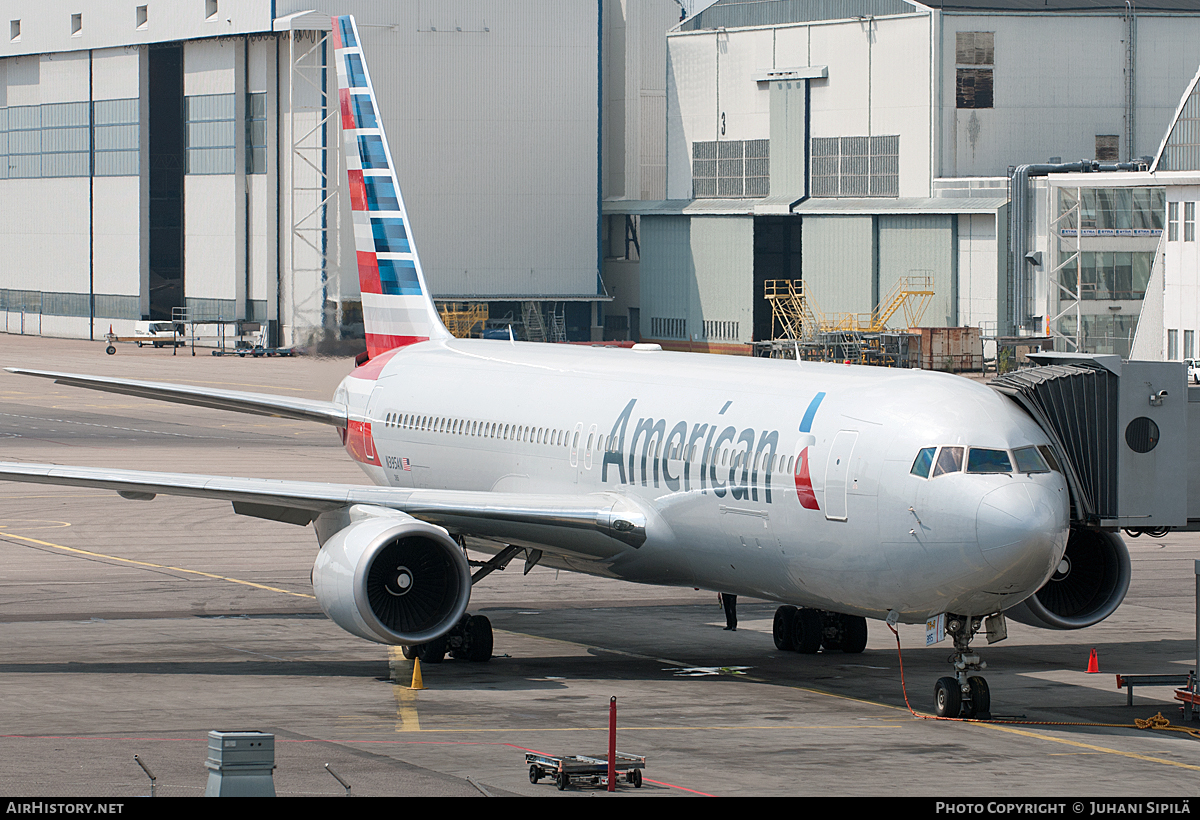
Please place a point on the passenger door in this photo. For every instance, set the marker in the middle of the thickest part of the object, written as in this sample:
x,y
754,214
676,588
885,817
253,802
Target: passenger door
x,y
837,470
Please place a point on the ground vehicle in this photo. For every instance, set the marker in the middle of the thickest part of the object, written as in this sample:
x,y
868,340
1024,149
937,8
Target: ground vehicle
x,y
159,334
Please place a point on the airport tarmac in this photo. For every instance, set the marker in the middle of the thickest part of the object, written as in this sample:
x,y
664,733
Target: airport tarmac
x,y
136,627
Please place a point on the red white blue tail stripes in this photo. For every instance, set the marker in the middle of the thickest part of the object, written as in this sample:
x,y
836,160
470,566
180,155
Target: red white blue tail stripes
x,y
397,309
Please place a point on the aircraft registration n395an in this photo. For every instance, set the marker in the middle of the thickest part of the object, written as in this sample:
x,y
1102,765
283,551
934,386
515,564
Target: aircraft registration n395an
x,y
844,493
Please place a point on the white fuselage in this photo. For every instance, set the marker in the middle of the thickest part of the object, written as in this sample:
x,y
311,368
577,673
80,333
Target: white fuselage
x,y
722,452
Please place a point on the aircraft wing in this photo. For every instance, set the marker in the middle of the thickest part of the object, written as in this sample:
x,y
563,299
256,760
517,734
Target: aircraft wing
x,y
595,525
262,404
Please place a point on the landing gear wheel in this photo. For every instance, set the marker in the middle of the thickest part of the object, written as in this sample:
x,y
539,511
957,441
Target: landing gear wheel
x,y
947,698
458,641
981,698
854,634
562,781
110,350
782,628
833,630
433,652
806,631
479,639
409,652
535,774
635,777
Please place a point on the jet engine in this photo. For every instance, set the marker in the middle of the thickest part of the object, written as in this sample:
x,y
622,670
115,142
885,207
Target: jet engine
x,y
392,579
1087,586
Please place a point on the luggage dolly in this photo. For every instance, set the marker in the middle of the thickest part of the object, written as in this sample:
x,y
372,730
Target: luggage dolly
x,y
255,352
578,769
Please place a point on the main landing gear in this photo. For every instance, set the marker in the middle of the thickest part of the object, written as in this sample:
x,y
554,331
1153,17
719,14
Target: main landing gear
x,y
469,640
964,695
809,630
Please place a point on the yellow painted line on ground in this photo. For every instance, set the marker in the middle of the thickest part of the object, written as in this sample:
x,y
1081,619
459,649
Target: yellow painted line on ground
x,y
150,565
407,719
1088,746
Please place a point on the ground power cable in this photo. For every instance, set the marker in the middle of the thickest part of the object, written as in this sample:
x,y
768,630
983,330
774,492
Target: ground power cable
x,y
1158,722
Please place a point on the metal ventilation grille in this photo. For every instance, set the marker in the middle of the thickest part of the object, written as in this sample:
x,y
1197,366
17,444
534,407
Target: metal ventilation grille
x,y
731,168
1076,405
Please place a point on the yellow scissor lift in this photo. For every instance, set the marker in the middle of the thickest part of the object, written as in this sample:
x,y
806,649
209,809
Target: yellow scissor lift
x,y
862,338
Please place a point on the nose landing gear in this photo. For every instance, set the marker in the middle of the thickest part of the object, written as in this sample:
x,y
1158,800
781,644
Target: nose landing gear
x,y
964,695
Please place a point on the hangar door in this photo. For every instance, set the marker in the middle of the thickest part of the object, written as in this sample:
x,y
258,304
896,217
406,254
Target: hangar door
x,y
918,245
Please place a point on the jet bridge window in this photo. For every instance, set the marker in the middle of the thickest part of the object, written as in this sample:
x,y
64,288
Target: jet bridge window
x,y
982,460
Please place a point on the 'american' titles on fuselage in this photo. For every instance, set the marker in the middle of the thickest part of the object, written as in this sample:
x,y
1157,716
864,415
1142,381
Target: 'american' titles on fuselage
x,y
750,461
741,481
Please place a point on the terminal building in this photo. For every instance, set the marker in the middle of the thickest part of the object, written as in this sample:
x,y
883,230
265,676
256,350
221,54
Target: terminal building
x,y
599,170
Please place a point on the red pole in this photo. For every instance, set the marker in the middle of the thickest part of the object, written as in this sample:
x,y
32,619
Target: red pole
x,y
612,744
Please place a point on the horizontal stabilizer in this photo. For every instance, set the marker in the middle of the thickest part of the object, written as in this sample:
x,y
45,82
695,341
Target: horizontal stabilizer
x,y
261,404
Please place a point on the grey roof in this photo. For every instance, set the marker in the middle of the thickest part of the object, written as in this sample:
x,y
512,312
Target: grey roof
x,y
1053,6
772,205
734,13
780,205
904,205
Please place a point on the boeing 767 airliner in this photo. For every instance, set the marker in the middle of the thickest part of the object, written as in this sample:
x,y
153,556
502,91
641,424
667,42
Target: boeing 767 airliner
x,y
844,493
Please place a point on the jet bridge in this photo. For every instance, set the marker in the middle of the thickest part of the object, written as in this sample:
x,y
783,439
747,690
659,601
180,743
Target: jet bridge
x,y
1121,433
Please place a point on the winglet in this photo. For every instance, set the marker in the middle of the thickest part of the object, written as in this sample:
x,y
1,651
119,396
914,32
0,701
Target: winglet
x,y
397,307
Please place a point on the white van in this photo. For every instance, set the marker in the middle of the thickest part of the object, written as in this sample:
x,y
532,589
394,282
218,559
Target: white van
x,y
159,334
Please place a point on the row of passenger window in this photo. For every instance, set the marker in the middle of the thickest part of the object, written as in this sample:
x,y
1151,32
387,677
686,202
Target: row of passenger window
x,y
983,460
484,429
565,438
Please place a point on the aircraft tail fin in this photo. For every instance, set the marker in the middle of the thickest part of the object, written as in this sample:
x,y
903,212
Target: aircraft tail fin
x,y
397,307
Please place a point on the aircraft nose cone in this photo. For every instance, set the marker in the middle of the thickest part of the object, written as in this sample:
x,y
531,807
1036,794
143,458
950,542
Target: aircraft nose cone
x,y
1022,530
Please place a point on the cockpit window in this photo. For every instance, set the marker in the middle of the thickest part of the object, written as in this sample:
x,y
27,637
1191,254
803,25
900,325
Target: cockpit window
x,y
982,460
1048,453
923,462
949,461
1029,460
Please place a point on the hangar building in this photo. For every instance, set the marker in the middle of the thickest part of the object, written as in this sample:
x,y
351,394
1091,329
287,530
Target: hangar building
x,y
166,154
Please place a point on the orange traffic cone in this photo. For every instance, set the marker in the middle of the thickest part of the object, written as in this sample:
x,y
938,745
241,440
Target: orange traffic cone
x,y
417,683
1093,663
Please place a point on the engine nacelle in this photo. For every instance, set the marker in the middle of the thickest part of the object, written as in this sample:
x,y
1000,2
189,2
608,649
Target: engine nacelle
x,y
392,579
1088,585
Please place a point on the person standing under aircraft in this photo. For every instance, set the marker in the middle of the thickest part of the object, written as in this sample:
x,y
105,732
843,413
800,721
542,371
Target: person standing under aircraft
x,y
730,603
